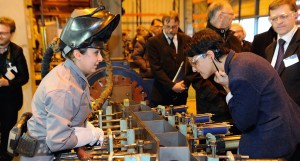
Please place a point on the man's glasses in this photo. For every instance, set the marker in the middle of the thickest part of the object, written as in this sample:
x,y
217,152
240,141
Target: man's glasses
x,y
170,27
281,17
4,33
158,26
228,13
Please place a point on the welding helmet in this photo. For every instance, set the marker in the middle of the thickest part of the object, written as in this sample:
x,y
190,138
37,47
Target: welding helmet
x,y
87,28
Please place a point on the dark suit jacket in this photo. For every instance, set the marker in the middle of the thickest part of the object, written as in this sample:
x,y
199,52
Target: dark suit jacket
x,y
261,108
13,93
164,63
262,40
140,57
290,76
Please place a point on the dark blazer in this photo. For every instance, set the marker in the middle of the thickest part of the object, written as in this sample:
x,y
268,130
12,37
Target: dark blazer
x,y
164,63
13,92
262,40
261,108
140,57
290,76
231,41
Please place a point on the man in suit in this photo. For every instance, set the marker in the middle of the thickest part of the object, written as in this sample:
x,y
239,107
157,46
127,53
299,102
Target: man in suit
x,y
165,57
262,40
283,17
13,75
139,55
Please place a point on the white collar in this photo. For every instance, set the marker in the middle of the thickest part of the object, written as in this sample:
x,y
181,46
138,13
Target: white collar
x,y
288,36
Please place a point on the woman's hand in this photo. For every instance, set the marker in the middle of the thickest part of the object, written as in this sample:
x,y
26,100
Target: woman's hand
x,y
222,78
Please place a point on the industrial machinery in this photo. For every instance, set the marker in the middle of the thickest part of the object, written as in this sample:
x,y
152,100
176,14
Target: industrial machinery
x,y
134,131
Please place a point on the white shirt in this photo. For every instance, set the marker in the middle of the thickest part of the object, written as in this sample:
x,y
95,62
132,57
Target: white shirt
x,y
287,38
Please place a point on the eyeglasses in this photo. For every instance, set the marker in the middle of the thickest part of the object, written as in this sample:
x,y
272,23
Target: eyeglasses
x,y
158,26
4,33
170,27
228,13
281,17
196,59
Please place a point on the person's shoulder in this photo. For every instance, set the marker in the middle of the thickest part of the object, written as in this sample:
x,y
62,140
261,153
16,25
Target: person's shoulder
x,y
261,35
15,49
155,38
59,78
14,46
184,36
298,32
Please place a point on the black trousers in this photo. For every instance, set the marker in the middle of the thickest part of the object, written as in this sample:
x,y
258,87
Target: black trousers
x,y
8,118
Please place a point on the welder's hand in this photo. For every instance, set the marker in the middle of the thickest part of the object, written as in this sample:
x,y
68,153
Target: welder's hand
x,y
98,134
222,78
179,87
88,135
83,154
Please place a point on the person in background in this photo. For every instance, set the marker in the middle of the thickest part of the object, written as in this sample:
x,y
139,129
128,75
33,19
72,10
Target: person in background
x,y
61,103
156,27
210,96
240,33
285,58
166,55
220,16
141,34
262,40
139,55
13,75
265,114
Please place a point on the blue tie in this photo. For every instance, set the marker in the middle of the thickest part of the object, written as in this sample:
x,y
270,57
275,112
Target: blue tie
x,y
280,55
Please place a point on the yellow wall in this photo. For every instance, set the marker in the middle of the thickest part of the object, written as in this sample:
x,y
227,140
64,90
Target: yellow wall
x,y
17,10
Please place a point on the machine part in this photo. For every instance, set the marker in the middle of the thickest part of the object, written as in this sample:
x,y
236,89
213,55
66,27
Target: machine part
x,y
200,118
100,118
108,111
126,102
110,141
228,143
183,128
220,128
171,119
140,146
130,139
161,110
124,81
143,102
123,126
180,109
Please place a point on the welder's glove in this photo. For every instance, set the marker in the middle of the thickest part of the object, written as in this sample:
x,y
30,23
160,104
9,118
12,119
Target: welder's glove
x,y
88,135
97,133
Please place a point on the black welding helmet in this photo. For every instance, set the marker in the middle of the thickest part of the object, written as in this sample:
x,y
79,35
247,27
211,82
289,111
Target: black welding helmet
x,y
87,28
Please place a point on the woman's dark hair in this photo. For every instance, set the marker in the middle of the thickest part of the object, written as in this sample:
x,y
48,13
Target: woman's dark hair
x,y
205,40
